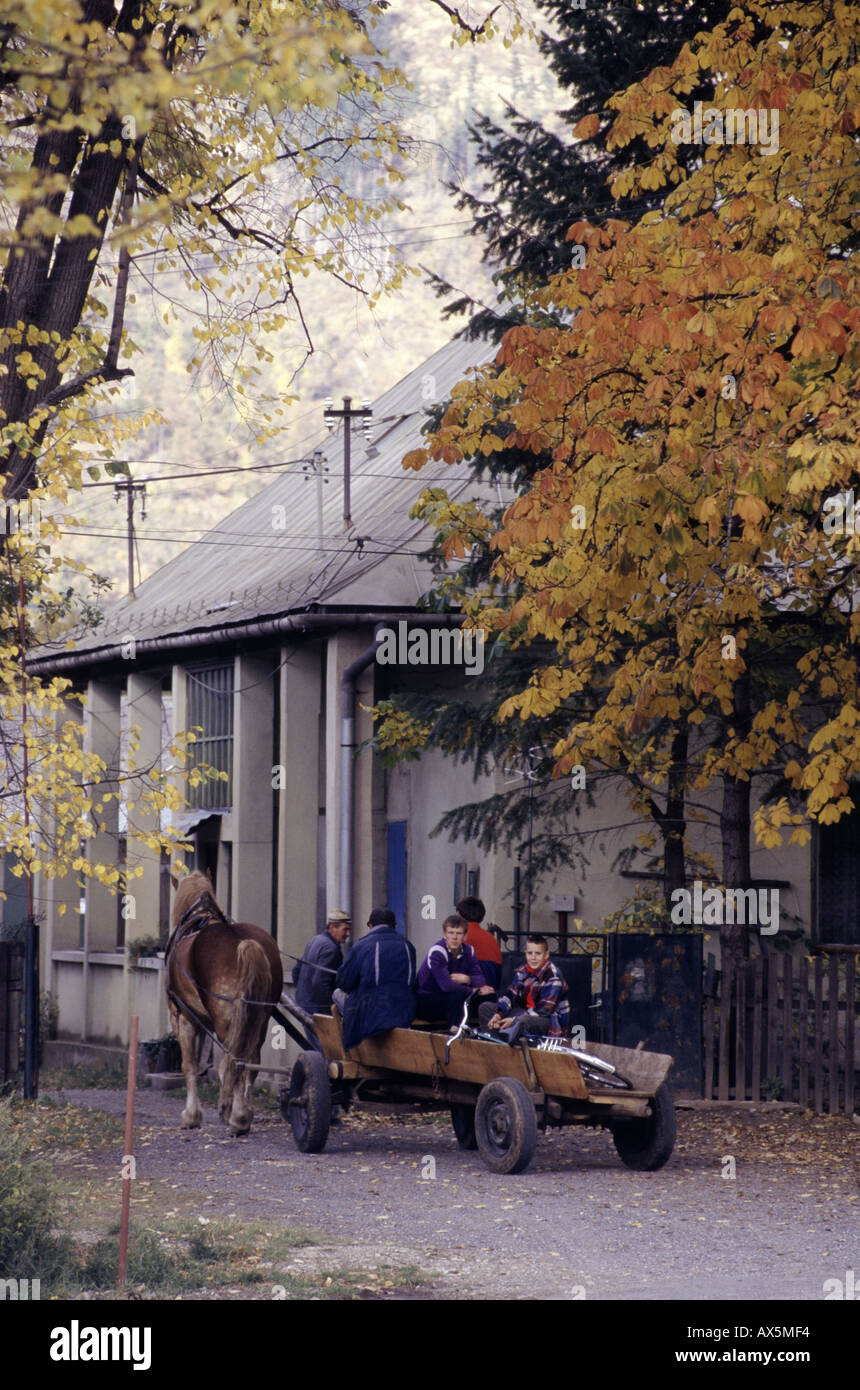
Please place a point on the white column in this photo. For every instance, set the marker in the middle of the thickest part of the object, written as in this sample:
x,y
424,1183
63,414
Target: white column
x,y
368,878
102,721
298,797
144,714
253,760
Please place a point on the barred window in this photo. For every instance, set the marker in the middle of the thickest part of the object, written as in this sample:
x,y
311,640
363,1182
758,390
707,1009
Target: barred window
x,y
210,707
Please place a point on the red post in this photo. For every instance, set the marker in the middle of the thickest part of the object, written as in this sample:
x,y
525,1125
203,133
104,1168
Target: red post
x,y
128,1157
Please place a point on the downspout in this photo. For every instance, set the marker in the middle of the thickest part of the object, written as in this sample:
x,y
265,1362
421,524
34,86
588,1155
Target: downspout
x,y
347,765
346,809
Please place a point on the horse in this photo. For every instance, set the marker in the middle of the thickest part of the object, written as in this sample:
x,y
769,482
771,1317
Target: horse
x,y
214,967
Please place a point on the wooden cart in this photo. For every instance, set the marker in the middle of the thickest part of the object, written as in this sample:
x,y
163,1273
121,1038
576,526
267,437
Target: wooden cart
x,y
499,1096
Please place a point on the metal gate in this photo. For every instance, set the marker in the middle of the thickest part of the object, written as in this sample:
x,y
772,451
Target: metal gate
x,y
657,998
11,999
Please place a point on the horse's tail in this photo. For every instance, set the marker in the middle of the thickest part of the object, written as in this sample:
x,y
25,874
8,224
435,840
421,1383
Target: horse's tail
x,y
254,982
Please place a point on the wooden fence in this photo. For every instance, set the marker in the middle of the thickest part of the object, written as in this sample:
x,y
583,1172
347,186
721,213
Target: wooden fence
x,y
11,1006
786,1028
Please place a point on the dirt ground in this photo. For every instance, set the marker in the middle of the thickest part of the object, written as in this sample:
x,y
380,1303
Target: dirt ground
x,y
393,1192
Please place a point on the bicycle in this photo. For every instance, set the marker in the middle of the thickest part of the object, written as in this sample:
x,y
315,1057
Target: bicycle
x,y
595,1070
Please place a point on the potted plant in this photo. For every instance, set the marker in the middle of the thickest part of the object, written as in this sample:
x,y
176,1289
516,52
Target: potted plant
x,y
143,946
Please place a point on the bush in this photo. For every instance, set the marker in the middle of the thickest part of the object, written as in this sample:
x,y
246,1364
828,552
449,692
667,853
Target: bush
x,y
28,1211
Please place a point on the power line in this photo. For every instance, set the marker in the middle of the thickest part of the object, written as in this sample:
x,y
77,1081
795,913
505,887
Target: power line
x,y
231,543
189,477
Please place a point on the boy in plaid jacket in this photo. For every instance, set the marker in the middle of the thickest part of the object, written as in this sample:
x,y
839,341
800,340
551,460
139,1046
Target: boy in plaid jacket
x,y
536,999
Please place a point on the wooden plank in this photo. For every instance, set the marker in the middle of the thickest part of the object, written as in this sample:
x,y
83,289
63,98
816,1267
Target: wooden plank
x,y
787,1039
725,1013
758,986
850,1059
647,1070
353,1071
630,1101
818,1036
803,1030
423,1054
709,1025
740,1034
628,1109
328,1030
771,1065
833,1049
558,1075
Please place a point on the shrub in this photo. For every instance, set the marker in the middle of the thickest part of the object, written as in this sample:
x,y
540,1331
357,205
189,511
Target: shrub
x,y
29,1248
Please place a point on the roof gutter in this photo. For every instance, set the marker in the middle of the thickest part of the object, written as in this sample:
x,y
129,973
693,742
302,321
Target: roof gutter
x,y
289,624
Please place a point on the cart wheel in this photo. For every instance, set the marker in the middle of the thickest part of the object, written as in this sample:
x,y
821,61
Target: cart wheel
x,y
308,1102
646,1144
505,1125
463,1120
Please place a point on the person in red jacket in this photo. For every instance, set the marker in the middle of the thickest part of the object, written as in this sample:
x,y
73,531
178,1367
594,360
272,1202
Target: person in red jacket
x,y
485,946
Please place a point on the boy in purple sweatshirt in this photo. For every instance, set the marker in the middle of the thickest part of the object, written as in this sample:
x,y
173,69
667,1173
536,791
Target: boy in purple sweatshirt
x,y
449,972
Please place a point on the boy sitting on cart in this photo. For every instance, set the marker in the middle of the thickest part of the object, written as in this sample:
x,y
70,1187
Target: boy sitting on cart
x,y
449,974
534,1002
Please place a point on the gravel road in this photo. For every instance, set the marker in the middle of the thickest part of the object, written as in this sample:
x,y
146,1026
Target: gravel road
x,y
576,1224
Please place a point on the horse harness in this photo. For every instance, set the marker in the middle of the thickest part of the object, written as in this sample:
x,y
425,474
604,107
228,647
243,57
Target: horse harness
x,y
190,924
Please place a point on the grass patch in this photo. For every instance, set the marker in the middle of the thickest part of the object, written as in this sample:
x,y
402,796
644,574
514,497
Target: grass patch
x,y
184,1257
89,1076
350,1284
47,1126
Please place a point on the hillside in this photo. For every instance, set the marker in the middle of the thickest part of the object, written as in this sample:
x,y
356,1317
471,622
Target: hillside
x,y
357,351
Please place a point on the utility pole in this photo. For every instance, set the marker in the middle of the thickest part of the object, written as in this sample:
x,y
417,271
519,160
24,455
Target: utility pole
x,y
130,488
330,415
316,467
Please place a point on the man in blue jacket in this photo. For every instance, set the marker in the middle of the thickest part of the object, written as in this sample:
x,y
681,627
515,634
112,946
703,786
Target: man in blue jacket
x,y
314,974
379,979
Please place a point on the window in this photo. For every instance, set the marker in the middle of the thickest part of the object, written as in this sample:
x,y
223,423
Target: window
x,y
210,708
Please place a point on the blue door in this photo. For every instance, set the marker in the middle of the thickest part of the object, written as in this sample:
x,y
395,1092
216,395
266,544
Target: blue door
x,y
395,871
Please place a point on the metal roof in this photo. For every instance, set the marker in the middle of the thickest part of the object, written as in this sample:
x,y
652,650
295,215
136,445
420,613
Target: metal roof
x,y
264,558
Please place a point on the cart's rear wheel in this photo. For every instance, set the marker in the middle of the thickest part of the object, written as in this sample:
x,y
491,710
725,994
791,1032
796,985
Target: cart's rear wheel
x,y
308,1102
505,1125
647,1144
463,1120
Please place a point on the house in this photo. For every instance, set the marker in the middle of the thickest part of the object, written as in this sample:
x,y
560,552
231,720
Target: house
x,y
274,634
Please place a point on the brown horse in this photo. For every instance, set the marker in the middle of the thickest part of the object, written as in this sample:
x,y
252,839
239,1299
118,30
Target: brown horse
x,y
214,966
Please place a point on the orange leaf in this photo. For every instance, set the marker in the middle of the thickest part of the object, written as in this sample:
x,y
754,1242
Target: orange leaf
x,y
587,127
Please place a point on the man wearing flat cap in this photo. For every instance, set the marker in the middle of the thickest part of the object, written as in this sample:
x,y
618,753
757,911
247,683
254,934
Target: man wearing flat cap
x,y
314,974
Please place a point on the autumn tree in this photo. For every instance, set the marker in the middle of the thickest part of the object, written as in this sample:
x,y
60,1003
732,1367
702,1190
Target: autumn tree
x,y
698,411
537,179
211,138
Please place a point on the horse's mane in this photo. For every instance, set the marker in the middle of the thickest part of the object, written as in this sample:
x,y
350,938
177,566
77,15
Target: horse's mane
x,y
192,887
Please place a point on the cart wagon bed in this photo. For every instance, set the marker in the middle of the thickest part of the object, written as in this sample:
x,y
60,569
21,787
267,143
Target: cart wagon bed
x,y
499,1095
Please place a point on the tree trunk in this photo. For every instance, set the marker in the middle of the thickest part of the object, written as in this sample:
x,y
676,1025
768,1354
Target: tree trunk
x,y
674,825
735,823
